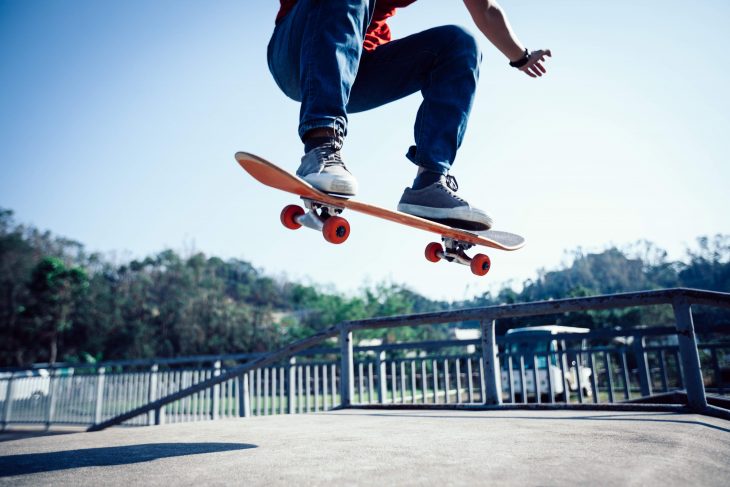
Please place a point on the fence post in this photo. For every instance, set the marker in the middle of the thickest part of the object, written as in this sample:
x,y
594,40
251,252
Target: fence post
x,y
347,372
292,385
382,375
689,356
152,416
642,365
160,415
493,391
8,405
216,392
244,399
99,405
51,409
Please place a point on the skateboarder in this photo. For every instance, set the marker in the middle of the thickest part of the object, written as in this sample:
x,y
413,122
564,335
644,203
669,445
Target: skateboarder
x,y
337,57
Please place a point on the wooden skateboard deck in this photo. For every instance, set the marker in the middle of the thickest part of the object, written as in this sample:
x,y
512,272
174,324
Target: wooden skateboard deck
x,y
271,175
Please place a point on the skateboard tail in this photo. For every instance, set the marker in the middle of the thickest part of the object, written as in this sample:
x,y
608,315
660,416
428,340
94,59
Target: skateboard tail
x,y
277,178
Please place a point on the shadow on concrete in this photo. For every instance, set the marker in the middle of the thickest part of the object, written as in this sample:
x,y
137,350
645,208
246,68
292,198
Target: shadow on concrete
x,y
21,434
30,463
599,417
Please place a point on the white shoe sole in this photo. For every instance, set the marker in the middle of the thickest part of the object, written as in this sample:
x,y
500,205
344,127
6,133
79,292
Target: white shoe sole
x,y
330,184
463,213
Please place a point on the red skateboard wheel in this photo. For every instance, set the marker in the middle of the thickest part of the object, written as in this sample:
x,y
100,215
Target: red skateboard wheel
x,y
480,264
432,252
336,229
289,216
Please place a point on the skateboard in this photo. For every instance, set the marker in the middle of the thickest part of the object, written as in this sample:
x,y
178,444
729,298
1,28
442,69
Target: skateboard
x,y
323,213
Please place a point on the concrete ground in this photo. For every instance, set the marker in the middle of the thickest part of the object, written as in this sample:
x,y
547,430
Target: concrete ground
x,y
406,447
19,432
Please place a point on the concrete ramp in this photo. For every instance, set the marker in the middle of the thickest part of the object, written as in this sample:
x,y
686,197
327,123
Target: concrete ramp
x,y
406,447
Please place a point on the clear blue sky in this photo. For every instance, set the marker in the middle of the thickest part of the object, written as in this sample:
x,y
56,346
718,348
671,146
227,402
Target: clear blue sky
x,y
119,121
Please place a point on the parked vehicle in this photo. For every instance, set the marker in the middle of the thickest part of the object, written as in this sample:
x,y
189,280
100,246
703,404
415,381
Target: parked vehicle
x,y
31,384
538,345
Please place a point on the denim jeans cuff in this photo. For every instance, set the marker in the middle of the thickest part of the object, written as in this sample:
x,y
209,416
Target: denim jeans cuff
x,y
338,124
412,155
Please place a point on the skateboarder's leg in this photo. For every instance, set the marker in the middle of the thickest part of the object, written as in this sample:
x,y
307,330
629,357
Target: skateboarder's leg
x,y
314,55
442,63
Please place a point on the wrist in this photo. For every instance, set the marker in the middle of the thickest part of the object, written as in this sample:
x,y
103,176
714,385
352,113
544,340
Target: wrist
x,y
520,60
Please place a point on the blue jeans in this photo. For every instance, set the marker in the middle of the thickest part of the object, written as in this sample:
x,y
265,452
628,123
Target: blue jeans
x,y
316,57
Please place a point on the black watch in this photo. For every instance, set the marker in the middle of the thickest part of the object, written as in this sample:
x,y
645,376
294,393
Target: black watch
x,y
521,61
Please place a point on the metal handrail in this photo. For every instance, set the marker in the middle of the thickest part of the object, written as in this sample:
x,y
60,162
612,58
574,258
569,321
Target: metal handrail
x,y
224,376
193,359
422,345
679,298
549,307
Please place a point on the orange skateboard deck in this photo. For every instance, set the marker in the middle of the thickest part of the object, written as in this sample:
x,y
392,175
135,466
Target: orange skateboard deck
x,y
324,211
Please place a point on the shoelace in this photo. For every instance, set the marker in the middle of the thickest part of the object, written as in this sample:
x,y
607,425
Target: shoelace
x,y
329,157
451,184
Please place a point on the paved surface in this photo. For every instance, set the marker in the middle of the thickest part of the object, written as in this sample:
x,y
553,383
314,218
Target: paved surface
x,y
19,432
387,447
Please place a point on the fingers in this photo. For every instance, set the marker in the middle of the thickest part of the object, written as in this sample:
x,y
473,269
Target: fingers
x,y
534,70
534,67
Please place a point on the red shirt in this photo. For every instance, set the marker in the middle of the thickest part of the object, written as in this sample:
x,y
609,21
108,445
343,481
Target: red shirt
x,y
378,32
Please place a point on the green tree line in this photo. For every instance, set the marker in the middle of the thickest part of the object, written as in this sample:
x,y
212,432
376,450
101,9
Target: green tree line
x,y
60,303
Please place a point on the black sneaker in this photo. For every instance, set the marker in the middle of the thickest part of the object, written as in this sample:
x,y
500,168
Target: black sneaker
x,y
438,202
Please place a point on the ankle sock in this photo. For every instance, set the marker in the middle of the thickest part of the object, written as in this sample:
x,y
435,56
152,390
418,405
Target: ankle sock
x,y
426,178
313,142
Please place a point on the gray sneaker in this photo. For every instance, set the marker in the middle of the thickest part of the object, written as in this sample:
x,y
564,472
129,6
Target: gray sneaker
x,y
322,167
438,202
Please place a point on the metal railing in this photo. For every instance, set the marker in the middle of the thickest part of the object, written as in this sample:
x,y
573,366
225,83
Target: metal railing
x,y
301,378
680,300
435,372
72,393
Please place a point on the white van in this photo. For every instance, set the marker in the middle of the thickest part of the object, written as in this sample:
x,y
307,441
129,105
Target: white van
x,y
527,348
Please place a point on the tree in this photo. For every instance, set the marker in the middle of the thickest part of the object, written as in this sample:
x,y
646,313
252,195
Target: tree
x,y
54,291
16,262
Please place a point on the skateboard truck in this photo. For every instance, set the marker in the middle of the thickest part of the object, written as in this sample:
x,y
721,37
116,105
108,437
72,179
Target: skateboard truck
x,y
455,251
335,229
320,217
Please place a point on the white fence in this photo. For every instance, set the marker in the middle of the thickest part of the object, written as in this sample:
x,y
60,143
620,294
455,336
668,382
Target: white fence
x,y
431,374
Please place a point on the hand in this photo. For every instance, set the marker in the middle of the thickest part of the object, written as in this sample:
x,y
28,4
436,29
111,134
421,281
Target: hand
x,y
534,67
